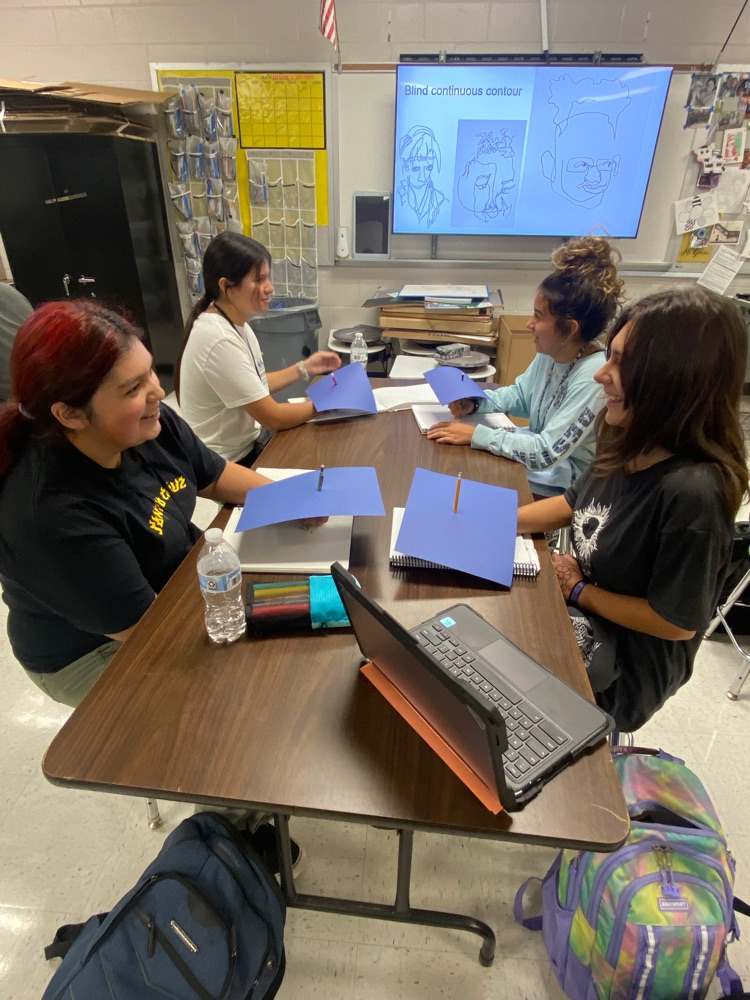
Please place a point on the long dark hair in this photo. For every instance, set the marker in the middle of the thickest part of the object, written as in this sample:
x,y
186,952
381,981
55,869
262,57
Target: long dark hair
x,y
682,372
229,255
584,286
61,354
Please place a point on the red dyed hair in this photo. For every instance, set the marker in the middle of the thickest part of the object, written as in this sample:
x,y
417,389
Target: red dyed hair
x,y
61,354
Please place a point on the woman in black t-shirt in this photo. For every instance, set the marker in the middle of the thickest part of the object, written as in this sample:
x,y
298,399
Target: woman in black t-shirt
x,y
652,519
97,488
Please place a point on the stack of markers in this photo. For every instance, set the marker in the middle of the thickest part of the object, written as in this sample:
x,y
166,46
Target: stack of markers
x,y
274,607
311,603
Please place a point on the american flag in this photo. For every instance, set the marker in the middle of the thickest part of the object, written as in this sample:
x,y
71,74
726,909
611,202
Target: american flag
x,y
328,22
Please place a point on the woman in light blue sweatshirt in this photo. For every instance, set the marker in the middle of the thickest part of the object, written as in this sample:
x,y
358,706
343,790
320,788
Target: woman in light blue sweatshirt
x,y
557,393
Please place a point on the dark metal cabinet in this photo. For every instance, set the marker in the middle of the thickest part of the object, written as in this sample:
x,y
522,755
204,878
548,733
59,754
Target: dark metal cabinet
x,y
83,215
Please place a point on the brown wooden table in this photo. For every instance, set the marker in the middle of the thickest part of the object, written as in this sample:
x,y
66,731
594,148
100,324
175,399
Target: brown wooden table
x,y
288,725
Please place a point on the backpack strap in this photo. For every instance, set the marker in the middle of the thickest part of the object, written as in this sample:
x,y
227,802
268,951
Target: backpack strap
x,y
530,923
65,938
740,906
731,983
646,751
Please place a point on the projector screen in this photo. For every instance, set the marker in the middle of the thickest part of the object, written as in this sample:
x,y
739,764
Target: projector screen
x,y
525,150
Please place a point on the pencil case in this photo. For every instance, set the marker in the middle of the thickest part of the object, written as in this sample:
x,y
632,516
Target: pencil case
x,y
310,603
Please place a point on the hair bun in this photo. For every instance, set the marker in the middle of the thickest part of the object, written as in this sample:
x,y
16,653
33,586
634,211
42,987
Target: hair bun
x,y
591,258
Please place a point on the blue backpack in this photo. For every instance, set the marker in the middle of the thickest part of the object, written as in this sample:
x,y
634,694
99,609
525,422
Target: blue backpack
x,y
652,919
204,922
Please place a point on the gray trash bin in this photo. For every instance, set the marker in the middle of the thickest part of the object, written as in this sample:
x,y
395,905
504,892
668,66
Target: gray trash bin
x,y
287,333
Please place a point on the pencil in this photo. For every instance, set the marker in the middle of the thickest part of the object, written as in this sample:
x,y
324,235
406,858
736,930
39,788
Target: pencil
x,y
458,491
320,478
334,379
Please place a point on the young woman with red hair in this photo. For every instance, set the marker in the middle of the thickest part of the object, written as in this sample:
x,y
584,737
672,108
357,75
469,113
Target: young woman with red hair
x,y
97,487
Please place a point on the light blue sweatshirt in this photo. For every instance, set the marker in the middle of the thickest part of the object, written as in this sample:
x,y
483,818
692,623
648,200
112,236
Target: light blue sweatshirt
x,y
559,442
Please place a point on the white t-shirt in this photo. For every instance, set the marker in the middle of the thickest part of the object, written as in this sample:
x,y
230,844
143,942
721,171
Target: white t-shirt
x,y
222,370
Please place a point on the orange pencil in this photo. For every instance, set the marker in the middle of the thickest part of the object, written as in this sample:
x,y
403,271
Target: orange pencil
x,y
458,491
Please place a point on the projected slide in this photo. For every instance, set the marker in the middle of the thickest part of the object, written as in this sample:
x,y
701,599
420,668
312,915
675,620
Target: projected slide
x,y
544,151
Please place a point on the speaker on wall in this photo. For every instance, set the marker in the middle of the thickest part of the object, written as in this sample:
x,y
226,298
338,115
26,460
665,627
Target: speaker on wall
x,y
371,224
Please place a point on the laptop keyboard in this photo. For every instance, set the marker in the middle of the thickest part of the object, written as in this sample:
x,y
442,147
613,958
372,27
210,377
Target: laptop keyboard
x,y
531,736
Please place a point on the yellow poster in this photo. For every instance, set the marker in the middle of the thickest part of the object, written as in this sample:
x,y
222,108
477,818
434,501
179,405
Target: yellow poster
x,y
690,254
281,110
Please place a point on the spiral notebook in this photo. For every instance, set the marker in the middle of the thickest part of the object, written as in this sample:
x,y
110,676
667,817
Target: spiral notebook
x,y
525,560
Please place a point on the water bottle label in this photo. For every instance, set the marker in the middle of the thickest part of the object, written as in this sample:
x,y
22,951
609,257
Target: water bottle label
x,y
220,584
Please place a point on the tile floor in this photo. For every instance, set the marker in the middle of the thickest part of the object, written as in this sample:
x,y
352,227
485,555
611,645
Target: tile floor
x,y
66,854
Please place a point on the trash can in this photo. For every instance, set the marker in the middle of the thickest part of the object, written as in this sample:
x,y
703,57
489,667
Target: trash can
x,y
287,333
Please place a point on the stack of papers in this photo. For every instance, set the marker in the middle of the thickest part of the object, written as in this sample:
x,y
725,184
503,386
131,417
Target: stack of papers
x,y
428,415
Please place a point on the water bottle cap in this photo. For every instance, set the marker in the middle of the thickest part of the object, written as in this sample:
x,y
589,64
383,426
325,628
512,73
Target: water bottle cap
x,y
214,536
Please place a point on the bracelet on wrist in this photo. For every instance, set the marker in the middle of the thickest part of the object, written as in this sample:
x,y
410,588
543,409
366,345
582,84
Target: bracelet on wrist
x,y
303,372
575,593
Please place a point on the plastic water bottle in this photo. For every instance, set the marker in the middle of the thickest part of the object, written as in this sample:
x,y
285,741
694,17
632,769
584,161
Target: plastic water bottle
x,y
359,350
220,579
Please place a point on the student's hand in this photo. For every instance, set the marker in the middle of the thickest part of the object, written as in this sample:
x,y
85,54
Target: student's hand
x,y
310,523
462,408
322,362
568,571
447,432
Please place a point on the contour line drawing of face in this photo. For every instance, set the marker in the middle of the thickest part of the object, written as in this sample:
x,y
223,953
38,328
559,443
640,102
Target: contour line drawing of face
x,y
420,155
489,176
586,156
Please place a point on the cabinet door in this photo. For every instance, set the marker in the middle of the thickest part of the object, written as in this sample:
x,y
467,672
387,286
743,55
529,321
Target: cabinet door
x,y
94,221
30,222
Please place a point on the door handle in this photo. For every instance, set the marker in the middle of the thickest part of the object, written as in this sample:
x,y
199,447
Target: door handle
x,y
86,281
66,284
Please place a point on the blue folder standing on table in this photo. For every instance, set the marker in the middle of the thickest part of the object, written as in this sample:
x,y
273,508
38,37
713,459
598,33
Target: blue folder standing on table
x,y
342,394
469,527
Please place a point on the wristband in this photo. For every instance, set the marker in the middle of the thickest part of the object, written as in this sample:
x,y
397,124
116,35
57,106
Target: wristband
x,y
576,593
303,372
476,407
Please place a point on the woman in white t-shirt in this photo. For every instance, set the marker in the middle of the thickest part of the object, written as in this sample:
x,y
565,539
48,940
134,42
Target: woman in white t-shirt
x,y
222,385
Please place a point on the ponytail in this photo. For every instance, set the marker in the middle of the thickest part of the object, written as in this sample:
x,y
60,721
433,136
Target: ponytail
x,y
200,307
14,432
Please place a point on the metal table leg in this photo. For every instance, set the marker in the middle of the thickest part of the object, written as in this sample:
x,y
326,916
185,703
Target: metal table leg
x,y
154,819
400,911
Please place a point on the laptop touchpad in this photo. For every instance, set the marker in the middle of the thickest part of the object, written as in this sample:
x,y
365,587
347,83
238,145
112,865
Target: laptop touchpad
x,y
515,665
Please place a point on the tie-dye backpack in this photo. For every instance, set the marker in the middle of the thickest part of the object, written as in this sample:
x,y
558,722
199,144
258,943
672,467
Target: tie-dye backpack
x,y
651,920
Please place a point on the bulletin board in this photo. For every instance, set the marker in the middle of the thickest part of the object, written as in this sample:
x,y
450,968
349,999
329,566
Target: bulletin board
x,y
283,125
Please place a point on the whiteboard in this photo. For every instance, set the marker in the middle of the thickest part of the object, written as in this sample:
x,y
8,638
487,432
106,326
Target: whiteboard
x,y
365,102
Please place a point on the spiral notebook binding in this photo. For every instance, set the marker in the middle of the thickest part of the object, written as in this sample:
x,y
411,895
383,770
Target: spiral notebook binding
x,y
521,567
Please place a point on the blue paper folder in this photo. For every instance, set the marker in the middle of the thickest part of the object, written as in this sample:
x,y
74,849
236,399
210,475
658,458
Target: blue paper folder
x,y
346,389
479,539
346,490
450,384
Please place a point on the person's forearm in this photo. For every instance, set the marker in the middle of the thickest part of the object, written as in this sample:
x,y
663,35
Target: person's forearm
x,y
544,515
282,378
233,484
631,612
283,416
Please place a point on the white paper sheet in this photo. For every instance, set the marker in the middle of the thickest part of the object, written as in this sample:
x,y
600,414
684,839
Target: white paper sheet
x,y
695,213
720,272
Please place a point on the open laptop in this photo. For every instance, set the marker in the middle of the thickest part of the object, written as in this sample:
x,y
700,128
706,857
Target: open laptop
x,y
511,722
